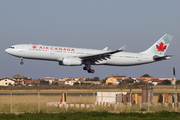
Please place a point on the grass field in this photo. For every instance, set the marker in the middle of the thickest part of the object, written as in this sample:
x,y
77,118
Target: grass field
x,y
29,103
93,116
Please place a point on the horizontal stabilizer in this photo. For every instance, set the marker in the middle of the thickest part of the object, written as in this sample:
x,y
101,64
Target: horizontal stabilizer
x,y
158,58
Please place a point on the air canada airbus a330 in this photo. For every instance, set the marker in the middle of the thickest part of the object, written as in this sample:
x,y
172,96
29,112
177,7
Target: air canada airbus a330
x,y
76,56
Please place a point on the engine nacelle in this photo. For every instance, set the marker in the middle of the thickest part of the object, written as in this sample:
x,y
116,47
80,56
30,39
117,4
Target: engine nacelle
x,y
71,62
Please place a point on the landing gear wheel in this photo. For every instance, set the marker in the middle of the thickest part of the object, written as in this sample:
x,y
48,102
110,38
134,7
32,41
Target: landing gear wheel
x,y
92,71
85,68
88,68
89,71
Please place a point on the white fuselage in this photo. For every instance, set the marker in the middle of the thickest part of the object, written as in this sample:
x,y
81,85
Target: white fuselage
x,y
55,53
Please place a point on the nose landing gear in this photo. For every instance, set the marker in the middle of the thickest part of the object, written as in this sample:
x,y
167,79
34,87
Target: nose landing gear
x,y
21,61
88,68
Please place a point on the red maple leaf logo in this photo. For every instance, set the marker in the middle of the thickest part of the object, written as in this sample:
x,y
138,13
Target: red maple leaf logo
x,y
34,47
161,47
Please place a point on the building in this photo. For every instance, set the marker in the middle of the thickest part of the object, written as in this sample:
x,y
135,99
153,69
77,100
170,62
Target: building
x,y
115,79
59,82
6,81
69,82
146,79
65,78
50,79
18,79
79,79
168,78
155,82
31,82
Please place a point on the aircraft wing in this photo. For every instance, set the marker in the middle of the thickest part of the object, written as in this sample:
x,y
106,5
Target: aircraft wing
x,y
100,56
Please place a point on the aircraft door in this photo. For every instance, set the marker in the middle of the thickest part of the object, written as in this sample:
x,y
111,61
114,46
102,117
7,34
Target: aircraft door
x,y
20,48
139,57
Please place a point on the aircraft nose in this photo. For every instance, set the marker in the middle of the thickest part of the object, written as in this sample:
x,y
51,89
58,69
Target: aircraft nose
x,y
7,50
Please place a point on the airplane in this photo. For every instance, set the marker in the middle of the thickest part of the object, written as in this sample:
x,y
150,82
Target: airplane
x,y
69,56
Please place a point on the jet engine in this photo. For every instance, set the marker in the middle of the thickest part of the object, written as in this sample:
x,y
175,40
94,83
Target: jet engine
x,y
71,61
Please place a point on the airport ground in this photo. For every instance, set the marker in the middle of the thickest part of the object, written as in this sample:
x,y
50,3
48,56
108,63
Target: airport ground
x,y
29,100
27,105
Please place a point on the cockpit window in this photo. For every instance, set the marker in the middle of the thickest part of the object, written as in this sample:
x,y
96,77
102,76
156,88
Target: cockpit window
x,y
11,47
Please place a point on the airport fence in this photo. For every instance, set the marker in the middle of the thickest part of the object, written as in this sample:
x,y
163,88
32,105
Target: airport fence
x,y
50,101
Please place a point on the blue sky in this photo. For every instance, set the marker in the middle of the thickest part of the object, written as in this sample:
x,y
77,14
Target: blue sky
x,y
88,24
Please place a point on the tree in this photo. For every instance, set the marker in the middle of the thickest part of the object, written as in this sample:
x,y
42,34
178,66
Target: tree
x,y
136,85
166,82
10,84
96,78
104,80
93,79
146,75
129,81
43,82
178,82
87,79
56,83
76,83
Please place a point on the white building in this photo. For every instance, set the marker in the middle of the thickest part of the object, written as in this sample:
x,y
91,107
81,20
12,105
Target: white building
x,y
155,82
166,78
6,82
50,79
65,78
80,78
69,82
109,97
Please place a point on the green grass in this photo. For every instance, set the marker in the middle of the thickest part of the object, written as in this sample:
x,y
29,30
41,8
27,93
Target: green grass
x,y
92,116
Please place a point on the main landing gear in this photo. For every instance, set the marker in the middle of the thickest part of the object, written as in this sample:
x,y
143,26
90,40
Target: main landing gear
x,y
21,61
88,68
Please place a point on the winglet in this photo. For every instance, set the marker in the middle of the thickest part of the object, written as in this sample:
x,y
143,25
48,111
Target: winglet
x,y
122,48
106,48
